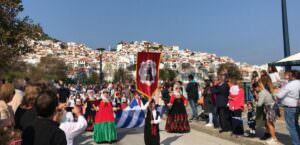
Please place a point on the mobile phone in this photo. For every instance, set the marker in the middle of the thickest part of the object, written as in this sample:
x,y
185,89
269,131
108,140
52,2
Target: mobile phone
x,y
69,109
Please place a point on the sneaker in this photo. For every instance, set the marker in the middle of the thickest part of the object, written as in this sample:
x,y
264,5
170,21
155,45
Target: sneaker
x,y
272,142
266,136
209,125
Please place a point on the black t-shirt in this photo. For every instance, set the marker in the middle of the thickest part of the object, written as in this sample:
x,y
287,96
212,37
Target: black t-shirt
x,y
43,132
192,90
18,115
24,117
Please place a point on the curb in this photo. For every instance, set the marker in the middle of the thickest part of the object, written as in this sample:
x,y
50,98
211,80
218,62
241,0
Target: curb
x,y
226,136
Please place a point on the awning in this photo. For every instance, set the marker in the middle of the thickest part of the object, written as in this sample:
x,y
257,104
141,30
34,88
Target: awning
x,y
293,60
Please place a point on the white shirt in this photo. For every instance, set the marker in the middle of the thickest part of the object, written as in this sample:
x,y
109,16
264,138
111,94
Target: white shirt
x,y
154,114
73,129
289,94
275,77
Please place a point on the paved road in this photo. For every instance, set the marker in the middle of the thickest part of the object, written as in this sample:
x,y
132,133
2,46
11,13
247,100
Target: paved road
x,y
136,137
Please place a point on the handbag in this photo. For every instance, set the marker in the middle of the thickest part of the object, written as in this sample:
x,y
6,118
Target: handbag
x,y
276,109
201,101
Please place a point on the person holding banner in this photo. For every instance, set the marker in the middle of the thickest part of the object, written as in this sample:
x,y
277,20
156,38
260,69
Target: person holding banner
x,y
177,121
105,128
151,129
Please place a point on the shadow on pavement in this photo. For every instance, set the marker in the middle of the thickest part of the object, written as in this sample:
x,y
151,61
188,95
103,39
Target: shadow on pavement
x,y
122,132
282,138
85,139
169,140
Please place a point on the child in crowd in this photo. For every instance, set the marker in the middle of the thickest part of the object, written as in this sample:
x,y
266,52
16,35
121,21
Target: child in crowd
x,y
151,130
251,118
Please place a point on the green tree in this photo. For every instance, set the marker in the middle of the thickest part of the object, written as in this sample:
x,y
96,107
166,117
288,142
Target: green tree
x,y
15,33
231,70
50,68
93,78
82,78
167,74
121,75
17,69
132,67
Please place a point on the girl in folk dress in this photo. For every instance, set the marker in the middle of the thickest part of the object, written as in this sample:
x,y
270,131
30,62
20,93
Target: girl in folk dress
x,y
90,112
177,121
151,129
105,128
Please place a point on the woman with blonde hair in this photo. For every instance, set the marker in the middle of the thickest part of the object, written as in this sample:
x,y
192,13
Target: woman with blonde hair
x,y
266,100
6,112
7,134
25,113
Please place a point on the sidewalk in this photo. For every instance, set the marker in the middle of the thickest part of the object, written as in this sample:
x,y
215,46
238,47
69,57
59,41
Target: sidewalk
x,y
281,132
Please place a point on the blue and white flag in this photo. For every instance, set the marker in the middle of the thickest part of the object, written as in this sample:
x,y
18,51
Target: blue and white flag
x,y
133,116
130,118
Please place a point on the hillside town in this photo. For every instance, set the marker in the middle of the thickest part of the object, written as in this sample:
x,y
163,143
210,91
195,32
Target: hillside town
x,y
82,58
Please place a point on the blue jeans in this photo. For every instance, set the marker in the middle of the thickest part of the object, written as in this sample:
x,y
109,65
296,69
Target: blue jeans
x,y
216,117
193,105
291,116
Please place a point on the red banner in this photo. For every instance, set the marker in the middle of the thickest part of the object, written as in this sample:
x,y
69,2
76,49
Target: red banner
x,y
147,72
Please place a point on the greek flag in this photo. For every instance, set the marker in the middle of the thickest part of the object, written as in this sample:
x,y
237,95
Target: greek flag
x,y
132,117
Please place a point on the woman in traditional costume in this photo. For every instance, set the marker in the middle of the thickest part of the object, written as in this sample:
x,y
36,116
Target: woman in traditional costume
x,y
90,112
177,121
105,128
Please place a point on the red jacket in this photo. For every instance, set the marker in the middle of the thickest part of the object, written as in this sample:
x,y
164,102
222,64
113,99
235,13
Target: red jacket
x,y
236,101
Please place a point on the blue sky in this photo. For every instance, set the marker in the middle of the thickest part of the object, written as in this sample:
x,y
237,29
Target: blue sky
x,y
246,30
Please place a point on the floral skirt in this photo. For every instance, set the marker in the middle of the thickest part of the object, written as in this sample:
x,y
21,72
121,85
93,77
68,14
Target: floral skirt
x,y
105,132
270,113
177,123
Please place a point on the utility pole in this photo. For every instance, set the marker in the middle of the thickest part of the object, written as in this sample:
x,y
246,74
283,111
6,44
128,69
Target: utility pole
x,y
286,42
100,71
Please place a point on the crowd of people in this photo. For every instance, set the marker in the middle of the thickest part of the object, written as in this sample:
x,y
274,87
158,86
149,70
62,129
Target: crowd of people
x,y
55,113
224,102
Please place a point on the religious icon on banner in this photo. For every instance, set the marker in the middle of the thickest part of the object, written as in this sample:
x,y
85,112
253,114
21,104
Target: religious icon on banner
x,y
147,74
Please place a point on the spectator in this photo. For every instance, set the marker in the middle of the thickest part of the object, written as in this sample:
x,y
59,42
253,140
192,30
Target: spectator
x,y
6,112
251,119
289,96
208,106
221,90
266,99
63,91
274,75
25,113
165,94
44,131
236,105
71,128
19,93
193,95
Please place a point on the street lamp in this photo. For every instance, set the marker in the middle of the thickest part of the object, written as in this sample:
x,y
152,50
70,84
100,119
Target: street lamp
x,y
100,72
287,51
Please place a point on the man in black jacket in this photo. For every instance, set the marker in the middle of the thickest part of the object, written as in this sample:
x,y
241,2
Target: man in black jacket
x,y
193,95
221,90
43,130
166,95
